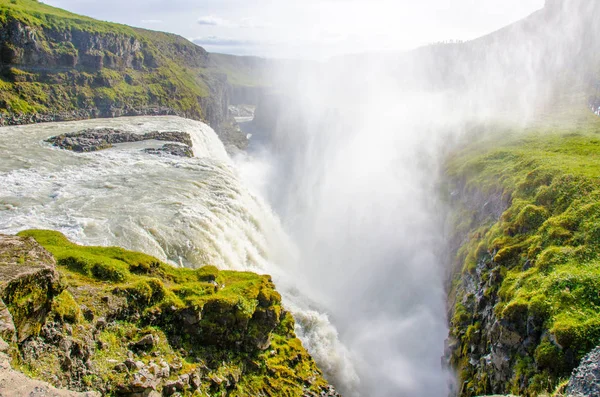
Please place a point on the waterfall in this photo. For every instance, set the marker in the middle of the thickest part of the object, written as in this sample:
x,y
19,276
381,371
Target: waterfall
x,y
188,212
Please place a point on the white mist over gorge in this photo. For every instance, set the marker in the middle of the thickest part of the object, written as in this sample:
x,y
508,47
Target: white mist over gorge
x,y
352,158
338,191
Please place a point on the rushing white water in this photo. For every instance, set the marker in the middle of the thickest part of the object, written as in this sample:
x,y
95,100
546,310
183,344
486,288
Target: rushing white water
x,y
350,164
189,212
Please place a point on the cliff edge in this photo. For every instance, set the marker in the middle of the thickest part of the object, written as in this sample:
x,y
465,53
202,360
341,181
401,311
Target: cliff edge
x,y
524,306
116,322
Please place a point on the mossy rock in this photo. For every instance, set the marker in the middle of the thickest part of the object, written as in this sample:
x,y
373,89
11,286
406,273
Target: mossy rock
x,y
29,281
225,329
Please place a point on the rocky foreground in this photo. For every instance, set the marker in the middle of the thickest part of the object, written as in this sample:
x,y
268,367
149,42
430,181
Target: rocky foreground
x,y
116,322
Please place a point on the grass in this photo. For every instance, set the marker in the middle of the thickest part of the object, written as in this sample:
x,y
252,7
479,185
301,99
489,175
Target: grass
x,y
35,13
544,248
242,342
166,70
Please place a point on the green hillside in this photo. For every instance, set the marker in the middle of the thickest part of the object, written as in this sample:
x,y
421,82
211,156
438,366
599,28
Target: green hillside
x,y
60,65
526,205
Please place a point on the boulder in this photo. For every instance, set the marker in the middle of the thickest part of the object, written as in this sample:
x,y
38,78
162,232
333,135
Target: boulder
x,y
585,380
146,343
29,282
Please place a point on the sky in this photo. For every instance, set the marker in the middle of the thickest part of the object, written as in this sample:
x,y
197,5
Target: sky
x,y
310,29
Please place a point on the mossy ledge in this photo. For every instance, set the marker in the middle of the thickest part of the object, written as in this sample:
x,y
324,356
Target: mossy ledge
x,y
524,303
123,323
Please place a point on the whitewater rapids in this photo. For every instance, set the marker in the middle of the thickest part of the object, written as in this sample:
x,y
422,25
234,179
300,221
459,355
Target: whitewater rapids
x,y
186,211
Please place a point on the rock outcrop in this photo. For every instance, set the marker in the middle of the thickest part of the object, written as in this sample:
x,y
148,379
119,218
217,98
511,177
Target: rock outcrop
x,y
29,282
92,140
123,323
16,384
585,380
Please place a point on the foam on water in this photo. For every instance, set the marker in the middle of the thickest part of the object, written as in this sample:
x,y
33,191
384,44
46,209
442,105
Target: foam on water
x,y
188,212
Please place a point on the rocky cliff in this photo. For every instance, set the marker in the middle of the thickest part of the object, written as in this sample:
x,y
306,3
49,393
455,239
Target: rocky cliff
x,y
523,302
55,65
122,323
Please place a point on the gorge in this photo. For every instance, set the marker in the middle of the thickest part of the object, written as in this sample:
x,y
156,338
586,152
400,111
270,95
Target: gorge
x,y
428,218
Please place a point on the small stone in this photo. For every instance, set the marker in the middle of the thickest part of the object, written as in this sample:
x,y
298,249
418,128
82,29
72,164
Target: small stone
x,y
101,323
147,342
101,345
172,387
154,369
175,366
185,379
195,381
121,367
216,380
87,313
130,364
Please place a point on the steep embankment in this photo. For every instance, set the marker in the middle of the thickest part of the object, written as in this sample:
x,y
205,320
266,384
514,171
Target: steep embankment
x,y
123,323
55,65
524,302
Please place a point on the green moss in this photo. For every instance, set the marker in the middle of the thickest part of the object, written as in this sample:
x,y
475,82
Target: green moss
x,y
530,218
549,356
65,308
545,245
242,341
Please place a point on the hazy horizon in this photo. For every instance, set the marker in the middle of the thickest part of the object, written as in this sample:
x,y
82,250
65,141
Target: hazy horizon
x,y
316,29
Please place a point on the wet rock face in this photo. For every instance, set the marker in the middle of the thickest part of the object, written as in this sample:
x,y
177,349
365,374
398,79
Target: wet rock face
x,y
173,150
98,139
585,380
28,283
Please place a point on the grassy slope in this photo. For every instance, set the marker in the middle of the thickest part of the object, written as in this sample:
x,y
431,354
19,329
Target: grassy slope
x,y
174,82
550,175
152,289
34,13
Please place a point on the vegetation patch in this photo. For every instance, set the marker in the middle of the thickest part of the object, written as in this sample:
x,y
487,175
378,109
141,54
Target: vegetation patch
x,y
536,266
127,322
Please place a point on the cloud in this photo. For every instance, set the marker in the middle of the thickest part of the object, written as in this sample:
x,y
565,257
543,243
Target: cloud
x,y
211,20
224,42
